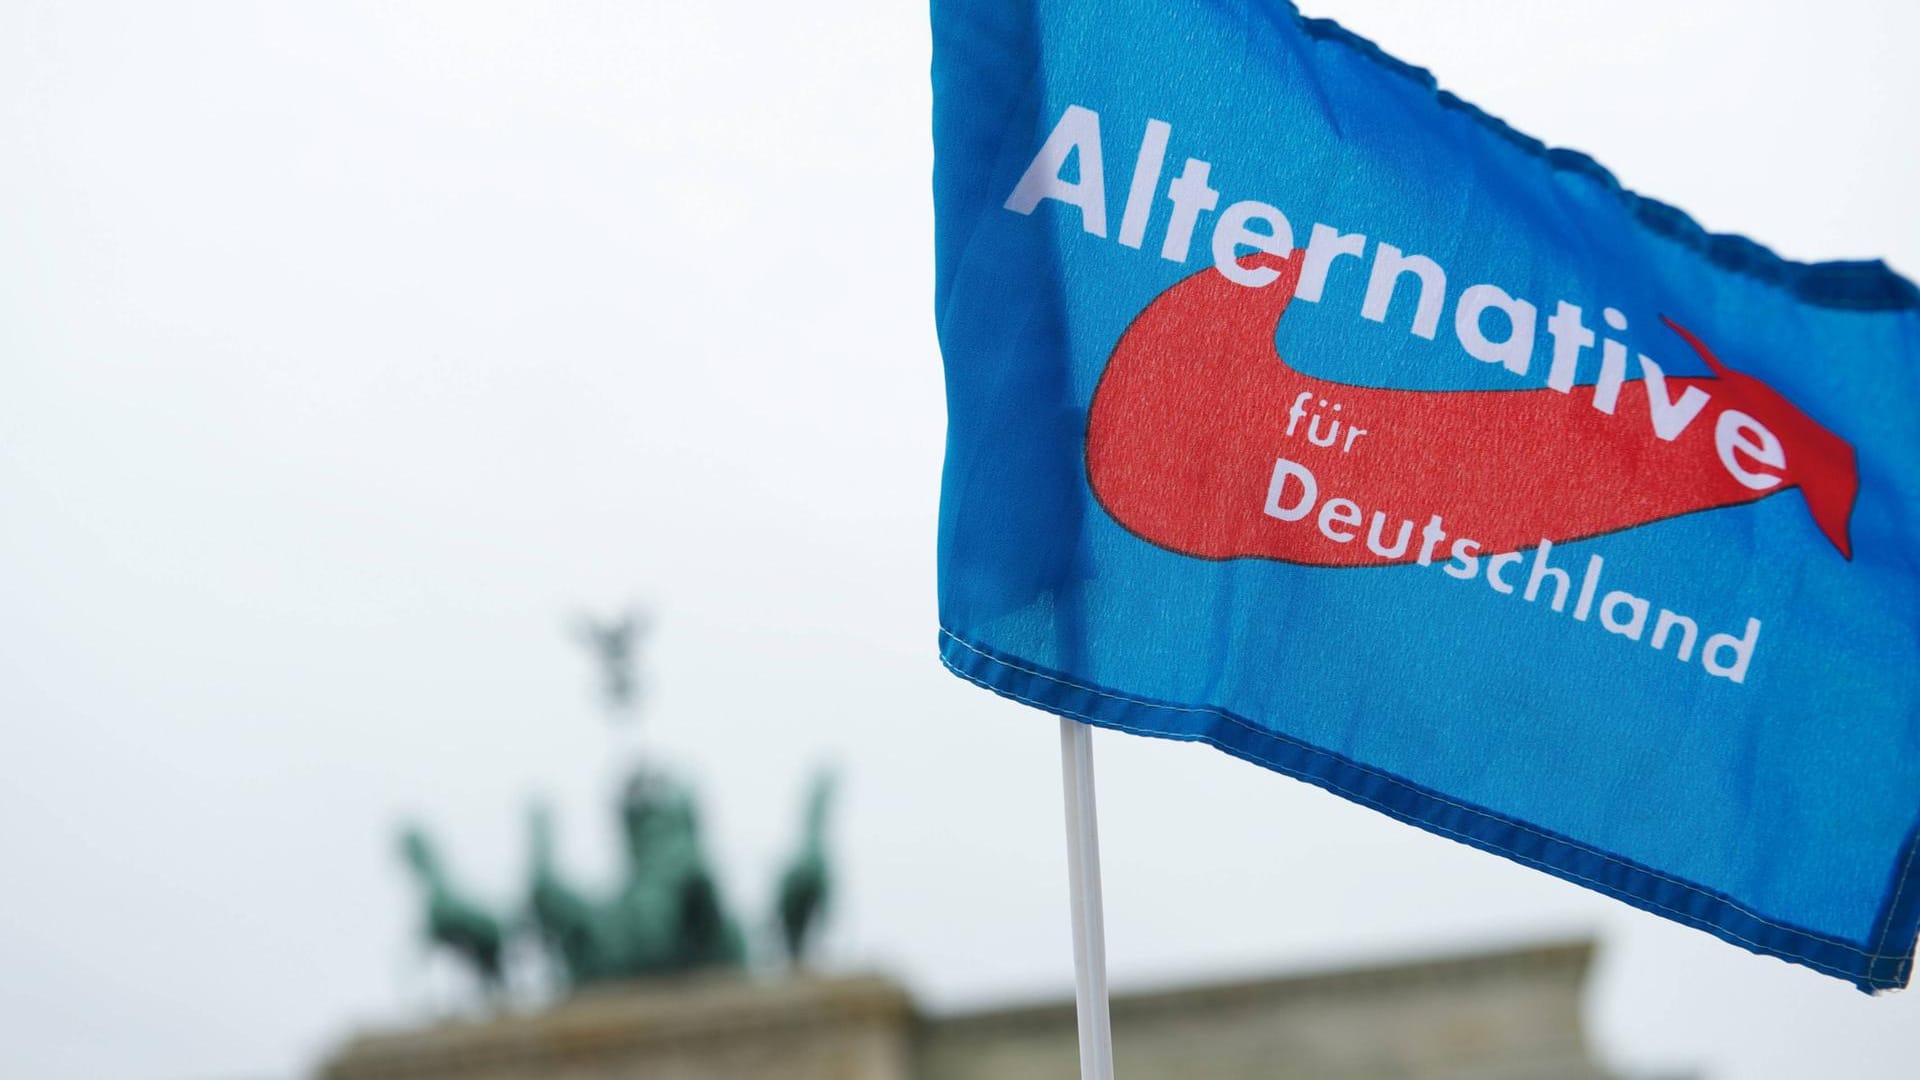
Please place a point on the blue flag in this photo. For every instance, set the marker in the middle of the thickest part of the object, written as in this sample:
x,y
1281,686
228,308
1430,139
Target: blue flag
x,y
1299,408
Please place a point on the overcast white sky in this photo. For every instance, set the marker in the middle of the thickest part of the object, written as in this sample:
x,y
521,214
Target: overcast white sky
x,y
347,348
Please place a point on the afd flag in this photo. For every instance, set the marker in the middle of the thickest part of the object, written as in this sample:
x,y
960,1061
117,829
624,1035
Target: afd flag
x,y
1300,408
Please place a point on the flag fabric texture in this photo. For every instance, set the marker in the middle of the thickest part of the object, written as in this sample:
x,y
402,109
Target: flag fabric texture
x,y
1298,407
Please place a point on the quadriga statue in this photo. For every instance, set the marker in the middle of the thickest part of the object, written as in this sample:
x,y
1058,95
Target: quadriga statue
x,y
665,913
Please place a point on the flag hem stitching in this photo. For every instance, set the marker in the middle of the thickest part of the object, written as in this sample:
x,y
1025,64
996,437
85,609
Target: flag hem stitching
x,y
1791,942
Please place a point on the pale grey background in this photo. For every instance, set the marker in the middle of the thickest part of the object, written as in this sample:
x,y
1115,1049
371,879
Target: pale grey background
x,y
346,347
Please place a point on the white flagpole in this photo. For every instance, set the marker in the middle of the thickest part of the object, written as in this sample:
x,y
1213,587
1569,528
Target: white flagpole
x,y
1089,928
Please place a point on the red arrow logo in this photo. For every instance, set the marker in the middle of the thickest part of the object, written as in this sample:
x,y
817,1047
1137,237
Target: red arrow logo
x,y
1203,440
